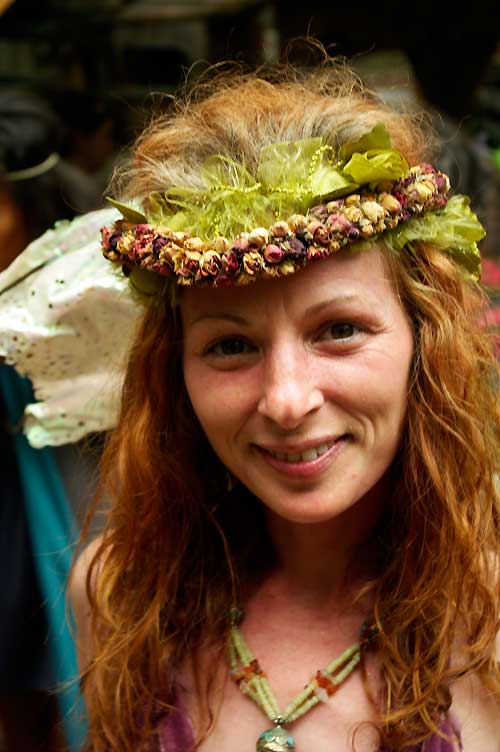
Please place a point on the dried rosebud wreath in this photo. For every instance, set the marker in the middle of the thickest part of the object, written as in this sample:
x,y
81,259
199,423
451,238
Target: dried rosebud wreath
x,y
358,198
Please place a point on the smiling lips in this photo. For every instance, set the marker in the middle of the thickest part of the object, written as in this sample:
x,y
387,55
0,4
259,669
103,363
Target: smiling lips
x,y
307,462
307,456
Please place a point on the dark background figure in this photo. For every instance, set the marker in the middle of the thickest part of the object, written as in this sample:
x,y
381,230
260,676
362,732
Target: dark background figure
x,y
40,187
37,188
92,132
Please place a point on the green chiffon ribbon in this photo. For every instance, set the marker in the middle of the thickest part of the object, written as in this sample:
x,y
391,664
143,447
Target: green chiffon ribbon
x,y
291,177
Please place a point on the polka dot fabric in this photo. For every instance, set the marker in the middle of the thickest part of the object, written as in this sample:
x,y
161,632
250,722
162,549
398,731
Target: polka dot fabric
x,y
66,321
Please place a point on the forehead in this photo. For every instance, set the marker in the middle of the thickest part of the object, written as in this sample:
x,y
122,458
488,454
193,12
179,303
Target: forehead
x,y
358,276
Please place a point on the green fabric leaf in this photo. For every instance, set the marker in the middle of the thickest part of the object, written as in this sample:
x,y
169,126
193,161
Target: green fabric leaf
x,y
376,165
455,228
329,183
128,212
377,138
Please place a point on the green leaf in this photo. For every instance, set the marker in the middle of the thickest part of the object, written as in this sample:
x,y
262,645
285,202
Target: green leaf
x,y
329,183
128,212
377,138
455,228
376,165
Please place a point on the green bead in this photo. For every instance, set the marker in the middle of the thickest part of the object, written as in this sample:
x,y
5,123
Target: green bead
x,y
276,739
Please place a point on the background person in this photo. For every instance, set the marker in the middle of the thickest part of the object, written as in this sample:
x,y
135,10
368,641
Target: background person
x,y
43,490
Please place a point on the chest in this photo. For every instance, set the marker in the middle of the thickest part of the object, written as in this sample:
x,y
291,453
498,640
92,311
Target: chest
x,y
335,723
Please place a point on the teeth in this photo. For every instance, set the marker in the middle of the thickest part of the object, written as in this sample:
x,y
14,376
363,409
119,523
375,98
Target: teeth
x,y
308,456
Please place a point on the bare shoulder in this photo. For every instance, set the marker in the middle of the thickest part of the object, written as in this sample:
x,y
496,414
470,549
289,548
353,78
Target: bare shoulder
x,y
477,711
80,603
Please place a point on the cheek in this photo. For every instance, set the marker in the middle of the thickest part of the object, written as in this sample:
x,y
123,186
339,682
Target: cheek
x,y
374,389
218,400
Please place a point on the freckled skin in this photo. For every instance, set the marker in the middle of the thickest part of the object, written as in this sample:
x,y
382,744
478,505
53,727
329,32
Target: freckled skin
x,y
321,355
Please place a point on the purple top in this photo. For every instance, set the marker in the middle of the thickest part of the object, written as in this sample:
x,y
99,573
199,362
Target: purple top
x,y
175,734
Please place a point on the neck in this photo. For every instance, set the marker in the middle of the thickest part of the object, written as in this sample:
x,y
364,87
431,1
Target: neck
x,y
323,563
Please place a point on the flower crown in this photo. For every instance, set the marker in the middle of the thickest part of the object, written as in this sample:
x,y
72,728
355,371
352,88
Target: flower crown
x,y
305,203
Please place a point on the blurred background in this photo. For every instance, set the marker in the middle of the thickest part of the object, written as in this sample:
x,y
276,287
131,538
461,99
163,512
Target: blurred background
x,y
102,64
78,80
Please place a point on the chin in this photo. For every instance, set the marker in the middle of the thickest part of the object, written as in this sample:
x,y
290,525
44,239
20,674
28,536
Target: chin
x,y
309,509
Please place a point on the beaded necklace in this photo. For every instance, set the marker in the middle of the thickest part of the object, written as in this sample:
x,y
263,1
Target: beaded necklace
x,y
252,681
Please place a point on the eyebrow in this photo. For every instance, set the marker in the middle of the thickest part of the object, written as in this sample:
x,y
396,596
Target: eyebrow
x,y
232,317
242,321
318,307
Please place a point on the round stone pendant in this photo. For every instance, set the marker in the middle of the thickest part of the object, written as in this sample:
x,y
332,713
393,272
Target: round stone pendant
x,y
276,739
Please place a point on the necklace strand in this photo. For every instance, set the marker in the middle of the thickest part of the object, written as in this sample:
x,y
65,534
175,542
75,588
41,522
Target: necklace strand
x,y
252,681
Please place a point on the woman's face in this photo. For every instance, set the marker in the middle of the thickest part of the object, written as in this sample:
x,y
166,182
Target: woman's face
x,y
300,383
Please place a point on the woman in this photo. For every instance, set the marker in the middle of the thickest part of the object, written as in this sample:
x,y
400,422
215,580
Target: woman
x,y
304,464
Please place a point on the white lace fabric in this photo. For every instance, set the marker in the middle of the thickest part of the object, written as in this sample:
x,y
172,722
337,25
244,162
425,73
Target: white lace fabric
x,y
67,321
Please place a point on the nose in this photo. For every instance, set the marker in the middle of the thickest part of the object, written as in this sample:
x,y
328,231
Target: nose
x,y
289,392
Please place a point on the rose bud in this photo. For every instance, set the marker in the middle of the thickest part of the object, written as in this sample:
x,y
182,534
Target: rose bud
x,y
230,262
313,226
426,188
166,256
192,260
252,262
158,244
321,236
258,237
318,211
241,244
221,244
210,263
334,206
273,254
280,230
390,203
372,210
297,249
194,245
442,182
338,223
353,214
353,199
297,222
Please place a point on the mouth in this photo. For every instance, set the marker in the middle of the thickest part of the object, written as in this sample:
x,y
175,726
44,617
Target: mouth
x,y
308,455
308,460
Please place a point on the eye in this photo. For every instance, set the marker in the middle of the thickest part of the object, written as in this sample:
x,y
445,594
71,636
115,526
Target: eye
x,y
230,346
340,330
